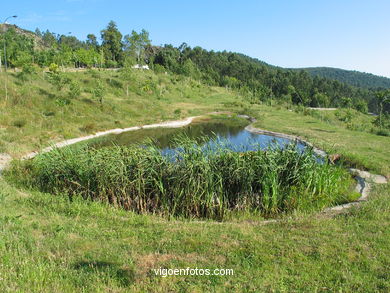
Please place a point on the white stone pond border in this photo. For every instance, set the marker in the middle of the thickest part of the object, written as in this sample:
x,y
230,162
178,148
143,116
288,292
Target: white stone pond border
x,y
364,179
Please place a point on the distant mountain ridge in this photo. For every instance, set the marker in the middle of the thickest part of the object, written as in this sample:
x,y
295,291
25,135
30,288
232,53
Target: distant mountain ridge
x,y
352,77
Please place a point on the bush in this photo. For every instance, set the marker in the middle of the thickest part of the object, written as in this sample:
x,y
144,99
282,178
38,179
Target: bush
x,y
58,80
98,91
53,68
74,90
344,115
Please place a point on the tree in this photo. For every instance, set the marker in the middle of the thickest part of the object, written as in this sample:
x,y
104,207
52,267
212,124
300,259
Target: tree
x,y
92,42
38,32
70,41
127,75
86,57
64,56
24,61
320,100
49,39
361,106
346,102
136,44
112,42
56,78
383,98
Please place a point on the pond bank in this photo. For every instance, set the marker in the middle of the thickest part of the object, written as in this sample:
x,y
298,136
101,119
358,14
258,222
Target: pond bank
x,y
364,179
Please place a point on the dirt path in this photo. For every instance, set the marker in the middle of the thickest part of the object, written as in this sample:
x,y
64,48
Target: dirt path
x,y
322,109
167,124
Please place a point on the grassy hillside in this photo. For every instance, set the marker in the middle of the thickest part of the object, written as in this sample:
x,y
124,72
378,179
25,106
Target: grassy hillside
x,y
37,113
352,77
53,244
250,76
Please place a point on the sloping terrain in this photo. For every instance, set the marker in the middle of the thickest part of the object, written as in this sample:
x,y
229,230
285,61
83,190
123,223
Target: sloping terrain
x,y
352,77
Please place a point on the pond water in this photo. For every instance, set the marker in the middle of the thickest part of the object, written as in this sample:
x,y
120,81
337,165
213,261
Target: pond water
x,y
230,132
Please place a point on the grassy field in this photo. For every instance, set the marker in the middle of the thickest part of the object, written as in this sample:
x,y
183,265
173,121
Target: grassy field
x,y
51,244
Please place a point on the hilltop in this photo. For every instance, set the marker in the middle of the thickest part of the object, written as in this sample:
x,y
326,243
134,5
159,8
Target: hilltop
x,y
27,34
352,77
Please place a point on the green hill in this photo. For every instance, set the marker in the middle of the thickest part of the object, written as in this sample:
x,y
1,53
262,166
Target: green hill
x,y
352,77
252,77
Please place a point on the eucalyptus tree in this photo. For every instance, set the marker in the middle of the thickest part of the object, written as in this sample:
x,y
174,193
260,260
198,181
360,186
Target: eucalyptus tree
x,y
112,43
383,98
136,44
92,42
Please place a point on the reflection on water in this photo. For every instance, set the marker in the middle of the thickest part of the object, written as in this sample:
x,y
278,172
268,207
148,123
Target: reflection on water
x,y
233,135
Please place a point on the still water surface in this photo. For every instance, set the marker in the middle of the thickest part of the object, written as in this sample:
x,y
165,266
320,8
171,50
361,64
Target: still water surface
x,y
230,133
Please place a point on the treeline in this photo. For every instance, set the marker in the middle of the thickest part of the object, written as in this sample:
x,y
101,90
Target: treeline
x,y
355,78
44,48
259,80
255,79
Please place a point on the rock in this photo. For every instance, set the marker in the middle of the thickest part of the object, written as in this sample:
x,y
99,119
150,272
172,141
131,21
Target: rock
x,y
4,161
378,179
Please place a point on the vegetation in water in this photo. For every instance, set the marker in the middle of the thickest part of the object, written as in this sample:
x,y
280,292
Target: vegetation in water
x,y
199,180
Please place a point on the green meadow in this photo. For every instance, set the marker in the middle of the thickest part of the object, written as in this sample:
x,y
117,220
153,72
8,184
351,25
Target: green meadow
x,y
53,240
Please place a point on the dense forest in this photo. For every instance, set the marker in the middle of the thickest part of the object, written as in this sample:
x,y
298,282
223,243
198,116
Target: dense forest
x,y
255,79
355,78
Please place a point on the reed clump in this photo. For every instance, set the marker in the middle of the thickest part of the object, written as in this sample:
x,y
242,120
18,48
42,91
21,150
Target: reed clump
x,y
195,181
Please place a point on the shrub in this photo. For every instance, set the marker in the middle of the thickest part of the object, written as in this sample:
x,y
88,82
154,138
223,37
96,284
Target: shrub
x,y
53,68
74,90
58,80
344,115
98,91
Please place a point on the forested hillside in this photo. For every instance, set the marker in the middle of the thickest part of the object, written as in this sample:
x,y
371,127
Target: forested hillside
x,y
260,80
257,80
355,78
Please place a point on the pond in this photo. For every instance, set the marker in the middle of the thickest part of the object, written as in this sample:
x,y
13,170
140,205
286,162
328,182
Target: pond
x,y
228,130
196,181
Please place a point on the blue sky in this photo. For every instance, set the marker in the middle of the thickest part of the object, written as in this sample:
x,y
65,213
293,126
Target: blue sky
x,y
291,33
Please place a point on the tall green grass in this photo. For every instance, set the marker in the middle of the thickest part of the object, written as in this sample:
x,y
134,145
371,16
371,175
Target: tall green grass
x,y
197,181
